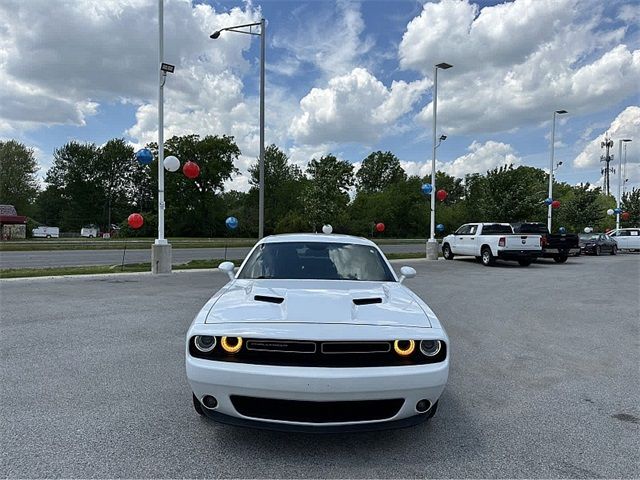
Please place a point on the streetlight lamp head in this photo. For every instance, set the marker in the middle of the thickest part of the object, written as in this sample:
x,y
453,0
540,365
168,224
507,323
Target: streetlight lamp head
x,y
215,35
626,139
559,163
443,66
561,112
443,137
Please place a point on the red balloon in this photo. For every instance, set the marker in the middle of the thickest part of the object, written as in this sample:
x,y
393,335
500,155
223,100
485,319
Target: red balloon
x,y
191,170
441,195
625,216
555,204
380,227
135,221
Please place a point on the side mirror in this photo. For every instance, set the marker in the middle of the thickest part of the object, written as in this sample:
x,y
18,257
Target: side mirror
x,y
407,272
227,267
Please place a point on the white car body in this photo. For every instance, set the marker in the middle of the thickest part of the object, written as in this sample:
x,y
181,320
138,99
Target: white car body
x,y
322,313
45,232
471,239
626,238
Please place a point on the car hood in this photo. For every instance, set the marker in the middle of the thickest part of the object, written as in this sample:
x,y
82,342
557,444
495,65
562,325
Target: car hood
x,y
318,301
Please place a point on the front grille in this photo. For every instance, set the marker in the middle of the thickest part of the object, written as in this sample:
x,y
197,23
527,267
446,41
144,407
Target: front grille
x,y
295,353
316,412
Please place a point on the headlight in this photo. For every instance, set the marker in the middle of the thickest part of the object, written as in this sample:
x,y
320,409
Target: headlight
x,y
231,344
430,348
204,343
404,347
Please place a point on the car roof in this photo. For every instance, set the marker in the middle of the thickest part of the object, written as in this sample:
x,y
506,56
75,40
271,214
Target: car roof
x,y
316,237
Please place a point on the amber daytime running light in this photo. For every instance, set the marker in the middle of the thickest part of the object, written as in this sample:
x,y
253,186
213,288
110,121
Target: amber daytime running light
x,y
404,347
231,344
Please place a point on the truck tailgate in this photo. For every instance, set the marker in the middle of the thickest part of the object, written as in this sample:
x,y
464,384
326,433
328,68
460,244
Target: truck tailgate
x,y
522,242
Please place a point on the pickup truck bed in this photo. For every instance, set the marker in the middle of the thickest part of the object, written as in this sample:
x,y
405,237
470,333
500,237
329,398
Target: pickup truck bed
x,y
557,246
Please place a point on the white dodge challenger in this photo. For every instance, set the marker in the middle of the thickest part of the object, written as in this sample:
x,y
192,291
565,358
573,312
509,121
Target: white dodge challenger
x,y
316,333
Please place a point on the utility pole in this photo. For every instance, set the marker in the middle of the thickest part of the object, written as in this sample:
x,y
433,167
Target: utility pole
x,y
607,158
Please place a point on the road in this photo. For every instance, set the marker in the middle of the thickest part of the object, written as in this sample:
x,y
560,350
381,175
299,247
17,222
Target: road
x,y
544,381
68,258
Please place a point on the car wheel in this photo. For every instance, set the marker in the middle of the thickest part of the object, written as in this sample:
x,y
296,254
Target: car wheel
x,y
446,252
614,250
525,262
432,411
197,405
48,236
598,250
487,258
560,258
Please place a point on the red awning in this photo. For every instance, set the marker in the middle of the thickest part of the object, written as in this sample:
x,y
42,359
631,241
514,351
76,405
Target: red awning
x,y
13,219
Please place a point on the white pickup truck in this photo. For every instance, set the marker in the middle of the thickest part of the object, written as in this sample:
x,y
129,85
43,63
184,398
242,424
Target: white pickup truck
x,y
491,241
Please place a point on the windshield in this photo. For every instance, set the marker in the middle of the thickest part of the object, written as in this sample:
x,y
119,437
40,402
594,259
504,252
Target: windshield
x,y
316,260
589,236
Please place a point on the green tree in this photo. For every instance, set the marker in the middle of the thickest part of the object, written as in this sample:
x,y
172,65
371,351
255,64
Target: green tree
x,y
585,206
631,204
326,196
378,171
18,184
452,185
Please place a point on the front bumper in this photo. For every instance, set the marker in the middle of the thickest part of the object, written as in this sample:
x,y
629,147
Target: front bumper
x,y
312,384
586,249
518,254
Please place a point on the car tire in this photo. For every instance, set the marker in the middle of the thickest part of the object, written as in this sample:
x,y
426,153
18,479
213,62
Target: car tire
x,y
560,258
48,236
446,252
487,257
524,262
597,251
614,250
197,405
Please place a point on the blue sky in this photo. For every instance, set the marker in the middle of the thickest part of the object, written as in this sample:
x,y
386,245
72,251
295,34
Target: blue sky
x,y
342,77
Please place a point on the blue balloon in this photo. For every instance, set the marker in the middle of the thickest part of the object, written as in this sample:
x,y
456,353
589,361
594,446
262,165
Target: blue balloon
x,y
231,222
548,201
617,211
427,188
440,227
144,156
562,230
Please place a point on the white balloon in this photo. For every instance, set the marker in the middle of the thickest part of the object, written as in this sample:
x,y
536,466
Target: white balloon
x,y
588,229
610,211
171,163
327,229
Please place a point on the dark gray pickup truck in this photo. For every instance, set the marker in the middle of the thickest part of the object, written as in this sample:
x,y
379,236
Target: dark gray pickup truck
x,y
557,246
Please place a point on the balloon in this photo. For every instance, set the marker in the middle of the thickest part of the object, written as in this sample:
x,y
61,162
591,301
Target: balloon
x,y
617,211
380,227
441,195
231,222
610,211
588,229
171,163
144,156
625,216
562,230
548,201
440,227
135,221
555,204
426,189
327,229
191,170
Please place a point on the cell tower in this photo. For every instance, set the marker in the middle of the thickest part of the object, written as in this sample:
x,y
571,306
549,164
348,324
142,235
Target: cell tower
x,y
607,158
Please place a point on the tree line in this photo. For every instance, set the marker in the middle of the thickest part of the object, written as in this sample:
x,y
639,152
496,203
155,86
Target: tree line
x,y
102,185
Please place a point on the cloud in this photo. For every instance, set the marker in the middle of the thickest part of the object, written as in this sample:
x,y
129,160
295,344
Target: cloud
x,y
516,62
355,107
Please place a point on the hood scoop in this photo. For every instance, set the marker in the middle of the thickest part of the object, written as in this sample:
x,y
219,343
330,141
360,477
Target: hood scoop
x,y
367,301
268,299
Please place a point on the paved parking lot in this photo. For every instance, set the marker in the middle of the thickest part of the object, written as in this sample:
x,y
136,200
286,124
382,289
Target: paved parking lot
x,y
544,381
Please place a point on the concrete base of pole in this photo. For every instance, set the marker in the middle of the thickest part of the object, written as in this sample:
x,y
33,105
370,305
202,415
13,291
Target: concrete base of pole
x,y
432,249
161,258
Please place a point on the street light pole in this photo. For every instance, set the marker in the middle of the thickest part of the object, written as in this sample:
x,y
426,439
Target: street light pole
x,y
262,34
620,142
432,244
553,145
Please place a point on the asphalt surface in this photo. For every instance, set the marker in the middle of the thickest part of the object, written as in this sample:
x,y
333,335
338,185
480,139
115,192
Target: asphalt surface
x,y
544,381
69,258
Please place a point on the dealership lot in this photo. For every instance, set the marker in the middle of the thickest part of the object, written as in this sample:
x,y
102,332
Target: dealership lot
x,y
544,381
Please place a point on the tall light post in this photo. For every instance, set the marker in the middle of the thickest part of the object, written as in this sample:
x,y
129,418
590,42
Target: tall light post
x,y
620,142
432,244
262,35
624,170
553,147
161,249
